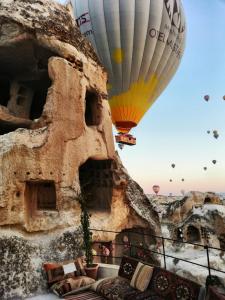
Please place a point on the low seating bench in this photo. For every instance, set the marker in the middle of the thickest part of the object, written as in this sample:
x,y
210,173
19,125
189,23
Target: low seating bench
x,y
139,281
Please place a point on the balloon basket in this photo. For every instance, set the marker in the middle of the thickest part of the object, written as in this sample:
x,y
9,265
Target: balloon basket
x,y
126,139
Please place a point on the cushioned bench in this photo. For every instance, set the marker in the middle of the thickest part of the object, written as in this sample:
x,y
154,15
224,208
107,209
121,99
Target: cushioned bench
x,y
135,281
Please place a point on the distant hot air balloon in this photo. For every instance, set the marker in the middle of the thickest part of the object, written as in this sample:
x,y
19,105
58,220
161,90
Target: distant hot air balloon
x,y
121,146
182,192
215,134
182,179
140,43
156,189
208,131
173,165
171,180
224,97
214,161
205,168
206,97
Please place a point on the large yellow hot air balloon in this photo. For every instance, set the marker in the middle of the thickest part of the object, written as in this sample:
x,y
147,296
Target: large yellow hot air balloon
x,y
140,43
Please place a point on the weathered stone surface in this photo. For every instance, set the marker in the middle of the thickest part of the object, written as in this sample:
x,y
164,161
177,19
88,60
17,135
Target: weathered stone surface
x,y
42,18
21,260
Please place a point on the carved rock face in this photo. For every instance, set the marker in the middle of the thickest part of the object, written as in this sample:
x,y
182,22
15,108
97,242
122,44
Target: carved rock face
x,y
55,140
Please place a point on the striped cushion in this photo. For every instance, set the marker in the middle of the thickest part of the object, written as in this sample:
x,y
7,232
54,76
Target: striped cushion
x,y
84,296
141,277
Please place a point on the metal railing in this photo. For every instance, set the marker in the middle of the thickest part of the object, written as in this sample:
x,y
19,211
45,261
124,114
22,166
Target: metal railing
x,y
163,253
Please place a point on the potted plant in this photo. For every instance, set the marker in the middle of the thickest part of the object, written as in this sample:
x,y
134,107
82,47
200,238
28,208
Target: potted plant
x,y
90,268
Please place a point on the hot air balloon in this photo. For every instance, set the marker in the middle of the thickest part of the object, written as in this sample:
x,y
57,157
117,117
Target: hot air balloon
x,y
214,161
121,146
208,131
171,180
223,97
215,134
173,165
156,189
206,97
140,43
182,179
182,192
205,168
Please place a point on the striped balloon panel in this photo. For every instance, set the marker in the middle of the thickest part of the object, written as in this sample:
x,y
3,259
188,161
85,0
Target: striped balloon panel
x,y
140,43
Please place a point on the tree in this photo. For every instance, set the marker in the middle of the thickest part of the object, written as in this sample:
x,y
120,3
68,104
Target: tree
x,y
87,234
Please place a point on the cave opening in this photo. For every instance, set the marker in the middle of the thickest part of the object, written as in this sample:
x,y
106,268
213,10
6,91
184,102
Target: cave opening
x,y
207,200
92,109
96,182
40,195
222,241
24,84
4,90
136,242
193,234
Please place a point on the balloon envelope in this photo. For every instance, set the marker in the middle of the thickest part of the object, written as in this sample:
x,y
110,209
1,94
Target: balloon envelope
x,y
173,165
214,161
156,188
140,43
206,97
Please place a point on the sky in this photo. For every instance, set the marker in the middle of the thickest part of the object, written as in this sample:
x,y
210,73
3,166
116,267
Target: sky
x,y
174,130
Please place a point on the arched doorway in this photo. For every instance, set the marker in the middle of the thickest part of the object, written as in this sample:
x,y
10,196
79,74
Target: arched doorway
x,y
135,242
193,234
207,200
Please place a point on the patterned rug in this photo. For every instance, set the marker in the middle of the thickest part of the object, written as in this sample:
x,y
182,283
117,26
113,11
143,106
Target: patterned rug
x,y
85,296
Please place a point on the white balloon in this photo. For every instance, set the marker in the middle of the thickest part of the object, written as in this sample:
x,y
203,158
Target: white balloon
x,y
136,41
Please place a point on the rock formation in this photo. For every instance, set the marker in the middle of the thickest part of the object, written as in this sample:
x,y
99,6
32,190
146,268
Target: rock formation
x,y
55,142
197,217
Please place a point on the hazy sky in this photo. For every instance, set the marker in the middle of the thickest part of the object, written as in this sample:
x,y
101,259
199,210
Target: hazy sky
x,y
175,128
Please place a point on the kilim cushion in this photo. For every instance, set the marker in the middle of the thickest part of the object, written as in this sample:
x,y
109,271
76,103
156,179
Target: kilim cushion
x,y
67,285
88,295
114,288
127,267
57,272
170,286
213,294
141,277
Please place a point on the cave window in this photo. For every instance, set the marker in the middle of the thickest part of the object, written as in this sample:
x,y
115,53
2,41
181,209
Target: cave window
x,y
207,200
4,90
92,109
96,182
24,83
41,195
193,234
222,241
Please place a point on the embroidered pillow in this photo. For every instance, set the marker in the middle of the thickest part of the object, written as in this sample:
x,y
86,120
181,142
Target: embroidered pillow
x,y
127,267
141,277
